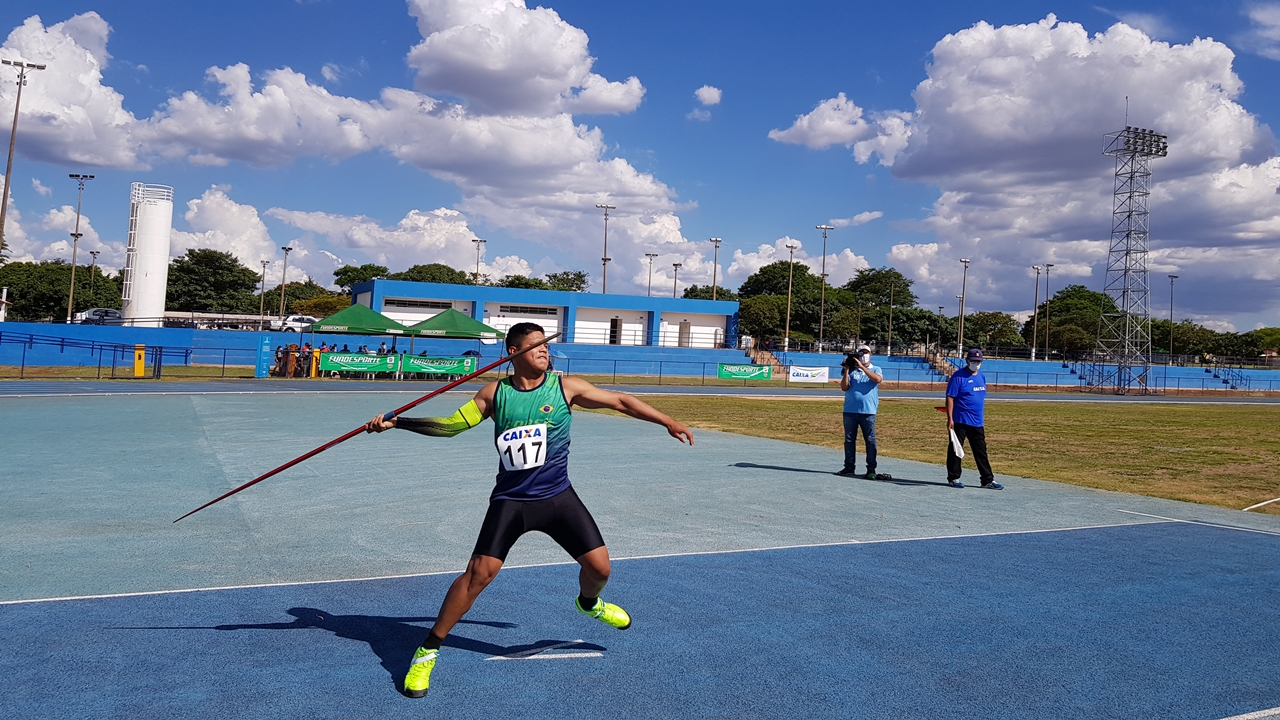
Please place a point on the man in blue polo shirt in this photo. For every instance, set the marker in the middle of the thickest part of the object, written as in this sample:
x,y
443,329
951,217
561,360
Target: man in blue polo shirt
x,y
860,381
966,393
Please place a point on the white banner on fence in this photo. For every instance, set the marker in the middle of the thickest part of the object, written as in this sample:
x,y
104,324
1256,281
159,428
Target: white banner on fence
x,y
807,374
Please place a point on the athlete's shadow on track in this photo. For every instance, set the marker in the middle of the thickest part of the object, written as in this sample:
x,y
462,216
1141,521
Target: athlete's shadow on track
x,y
392,639
894,481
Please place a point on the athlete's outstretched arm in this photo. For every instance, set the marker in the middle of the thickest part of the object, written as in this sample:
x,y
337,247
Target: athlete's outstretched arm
x,y
467,417
584,394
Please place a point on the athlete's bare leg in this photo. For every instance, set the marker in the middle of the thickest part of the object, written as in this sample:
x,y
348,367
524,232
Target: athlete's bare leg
x,y
595,571
481,571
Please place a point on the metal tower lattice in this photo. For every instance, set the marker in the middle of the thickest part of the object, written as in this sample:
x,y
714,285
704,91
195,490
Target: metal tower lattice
x,y
1123,355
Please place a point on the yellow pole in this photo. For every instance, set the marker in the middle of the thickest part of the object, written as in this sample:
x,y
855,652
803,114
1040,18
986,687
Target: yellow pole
x,y
139,360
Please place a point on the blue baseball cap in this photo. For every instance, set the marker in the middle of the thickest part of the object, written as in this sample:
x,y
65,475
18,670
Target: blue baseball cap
x,y
974,354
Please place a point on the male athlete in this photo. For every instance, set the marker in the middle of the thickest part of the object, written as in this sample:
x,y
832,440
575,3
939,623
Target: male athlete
x,y
531,415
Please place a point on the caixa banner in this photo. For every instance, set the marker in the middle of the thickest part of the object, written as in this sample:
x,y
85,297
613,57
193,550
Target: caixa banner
x,y
799,374
356,362
745,372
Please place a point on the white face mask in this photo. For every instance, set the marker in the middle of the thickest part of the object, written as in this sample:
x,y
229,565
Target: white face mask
x,y
974,366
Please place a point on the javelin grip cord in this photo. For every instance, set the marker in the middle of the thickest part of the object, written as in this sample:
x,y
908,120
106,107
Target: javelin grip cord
x,y
386,417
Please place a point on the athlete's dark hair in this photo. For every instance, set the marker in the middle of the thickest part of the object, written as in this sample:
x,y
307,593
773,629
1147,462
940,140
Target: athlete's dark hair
x,y
518,332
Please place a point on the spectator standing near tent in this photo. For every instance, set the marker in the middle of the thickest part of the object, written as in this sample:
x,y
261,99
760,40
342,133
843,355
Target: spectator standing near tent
x,y
966,396
860,381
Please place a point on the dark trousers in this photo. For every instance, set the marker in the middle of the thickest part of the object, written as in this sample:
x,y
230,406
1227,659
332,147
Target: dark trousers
x,y
852,422
977,438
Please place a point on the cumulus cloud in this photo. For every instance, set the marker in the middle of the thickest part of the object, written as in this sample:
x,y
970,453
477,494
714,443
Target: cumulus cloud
x,y
68,115
841,265
502,128
838,121
861,218
1156,26
441,235
40,187
1263,36
219,223
708,95
1008,126
501,57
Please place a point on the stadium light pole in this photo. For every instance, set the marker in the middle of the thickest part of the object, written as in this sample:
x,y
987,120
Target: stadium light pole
x,y
675,277
1046,309
1035,314
960,307
479,244
604,261
791,268
92,267
715,264
941,318
80,180
822,302
71,292
284,272
964,284
261,295
23,68
1171,279
892,285
651,256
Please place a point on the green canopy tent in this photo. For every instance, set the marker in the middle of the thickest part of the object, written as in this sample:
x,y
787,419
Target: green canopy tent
x,y
359,320
454,325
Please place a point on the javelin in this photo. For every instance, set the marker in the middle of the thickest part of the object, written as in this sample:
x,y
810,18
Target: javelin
x,y
1261,504
386,417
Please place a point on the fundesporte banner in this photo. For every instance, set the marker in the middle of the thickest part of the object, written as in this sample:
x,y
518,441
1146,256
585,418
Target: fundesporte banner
x,y
745,372
357,362
439,366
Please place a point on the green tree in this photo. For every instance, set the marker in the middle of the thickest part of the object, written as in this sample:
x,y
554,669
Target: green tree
x,y
207,280
762,315
293,292
703,292
434,273
844,323
38,291
321,307
1268,338
877,285
993,329
525,283
569,280
349,276
806,290
1074,305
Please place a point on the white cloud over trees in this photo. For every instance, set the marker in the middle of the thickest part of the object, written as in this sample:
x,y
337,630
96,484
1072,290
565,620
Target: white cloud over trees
x,y
1008,125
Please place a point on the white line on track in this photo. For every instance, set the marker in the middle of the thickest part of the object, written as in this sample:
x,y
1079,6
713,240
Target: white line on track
x,y
568,562
1200,522
538,653
1273,712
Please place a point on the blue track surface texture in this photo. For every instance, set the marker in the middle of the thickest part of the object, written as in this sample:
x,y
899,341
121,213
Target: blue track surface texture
x,y
762,585
1158,620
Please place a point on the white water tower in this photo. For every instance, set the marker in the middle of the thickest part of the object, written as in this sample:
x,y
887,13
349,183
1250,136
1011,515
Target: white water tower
x,y
146,267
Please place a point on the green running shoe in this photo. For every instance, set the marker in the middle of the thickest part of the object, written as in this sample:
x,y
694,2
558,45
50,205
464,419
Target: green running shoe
x,y
607,613
418,679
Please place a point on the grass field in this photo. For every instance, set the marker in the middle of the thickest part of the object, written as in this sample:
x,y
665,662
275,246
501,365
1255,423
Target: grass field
x,y
1216,454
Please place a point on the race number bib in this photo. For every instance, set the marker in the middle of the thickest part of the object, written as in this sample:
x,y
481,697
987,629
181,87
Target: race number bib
x,y
524,447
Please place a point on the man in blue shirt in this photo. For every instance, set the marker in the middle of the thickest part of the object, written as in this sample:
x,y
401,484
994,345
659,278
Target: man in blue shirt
x,y
860,381
966,394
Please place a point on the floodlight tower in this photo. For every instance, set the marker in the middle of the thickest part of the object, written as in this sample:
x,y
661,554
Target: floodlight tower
x,y
822,308
1123,362
23,67
604,261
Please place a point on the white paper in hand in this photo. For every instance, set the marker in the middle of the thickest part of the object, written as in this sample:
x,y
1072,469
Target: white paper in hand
x,y
955,444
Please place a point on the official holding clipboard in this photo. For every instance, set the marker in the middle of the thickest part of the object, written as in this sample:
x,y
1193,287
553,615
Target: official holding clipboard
x,y
966,396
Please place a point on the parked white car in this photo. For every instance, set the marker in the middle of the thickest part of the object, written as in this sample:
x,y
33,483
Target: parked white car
x,y
293,323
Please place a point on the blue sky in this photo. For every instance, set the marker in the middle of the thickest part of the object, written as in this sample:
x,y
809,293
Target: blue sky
x,y
1045,194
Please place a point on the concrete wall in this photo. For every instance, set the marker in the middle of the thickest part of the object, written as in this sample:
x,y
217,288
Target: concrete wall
x,y
593,325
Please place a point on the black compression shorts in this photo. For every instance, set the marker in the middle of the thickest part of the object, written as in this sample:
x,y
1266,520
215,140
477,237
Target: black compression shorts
x,y
563,517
